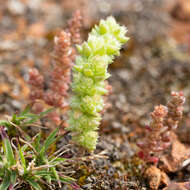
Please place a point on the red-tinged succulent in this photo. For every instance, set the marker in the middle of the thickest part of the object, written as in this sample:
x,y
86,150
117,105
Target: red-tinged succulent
x,y
75,25
175,110
36,81
158,134
61,73
60,77
152,144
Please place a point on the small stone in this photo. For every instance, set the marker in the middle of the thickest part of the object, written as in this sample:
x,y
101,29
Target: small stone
x,y
111,172
87,186
16,7
116,125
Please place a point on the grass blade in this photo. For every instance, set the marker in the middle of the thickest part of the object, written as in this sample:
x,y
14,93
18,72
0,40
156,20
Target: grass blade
x,y
6,182
35,117
56,176
23,161
26,110
50,140
9,152
12,179
34,184
36,143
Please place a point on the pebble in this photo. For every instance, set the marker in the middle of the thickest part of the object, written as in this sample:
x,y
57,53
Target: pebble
x,y
87,186
8,46
16,7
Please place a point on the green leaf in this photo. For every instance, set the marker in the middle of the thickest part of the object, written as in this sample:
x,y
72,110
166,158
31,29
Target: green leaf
x,y
34,184
21,155
42,173
13,177
56,175
35,117
46,111
55,161
5,123
24,147
14,119
36,143
8,152
6,182
26,110
65,179
50,140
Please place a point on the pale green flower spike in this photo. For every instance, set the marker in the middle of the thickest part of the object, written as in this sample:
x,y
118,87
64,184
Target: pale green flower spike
x,y
89,74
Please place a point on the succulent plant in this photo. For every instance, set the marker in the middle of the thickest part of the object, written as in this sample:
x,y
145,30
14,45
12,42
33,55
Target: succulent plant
x,y
165,120
89,75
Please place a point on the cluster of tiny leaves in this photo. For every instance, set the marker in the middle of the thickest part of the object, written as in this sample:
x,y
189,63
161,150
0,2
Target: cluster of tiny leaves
x,y
25,159
30,163
89,75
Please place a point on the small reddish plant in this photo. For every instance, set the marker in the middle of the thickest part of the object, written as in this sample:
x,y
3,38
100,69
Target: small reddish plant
x,y
152,144
165,120
175,110
60,77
